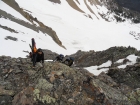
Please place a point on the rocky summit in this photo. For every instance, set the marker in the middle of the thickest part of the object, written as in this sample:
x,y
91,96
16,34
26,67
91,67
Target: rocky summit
x,y
59,84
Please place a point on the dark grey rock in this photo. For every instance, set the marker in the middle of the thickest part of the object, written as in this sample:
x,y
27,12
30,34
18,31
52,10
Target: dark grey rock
x,y
57,83
5,100
92,58
138,60
11,38
49,55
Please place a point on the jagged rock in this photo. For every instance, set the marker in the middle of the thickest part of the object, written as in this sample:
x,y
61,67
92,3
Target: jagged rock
x,y
138,60
92,58
108,80
58,84
112,70
5,100
135,95
6,92
54,1
11,38
129,76
11,30
125,61
24,97
49,55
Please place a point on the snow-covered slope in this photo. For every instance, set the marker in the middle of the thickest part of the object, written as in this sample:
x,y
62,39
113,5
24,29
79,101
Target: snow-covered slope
x,y
77,30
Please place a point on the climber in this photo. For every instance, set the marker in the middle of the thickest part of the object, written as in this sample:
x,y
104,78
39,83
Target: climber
x,y
68,60
59,58
38,57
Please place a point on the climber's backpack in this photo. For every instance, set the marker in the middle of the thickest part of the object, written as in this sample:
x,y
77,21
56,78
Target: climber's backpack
x,y
33,47
61,56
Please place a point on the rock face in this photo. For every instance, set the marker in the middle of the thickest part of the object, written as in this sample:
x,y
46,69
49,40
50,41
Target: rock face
x,y
92,58
49,55
58,84
129,76
128,80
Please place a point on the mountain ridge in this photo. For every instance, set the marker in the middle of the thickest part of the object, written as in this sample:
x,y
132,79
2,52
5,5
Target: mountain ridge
x,y
57,83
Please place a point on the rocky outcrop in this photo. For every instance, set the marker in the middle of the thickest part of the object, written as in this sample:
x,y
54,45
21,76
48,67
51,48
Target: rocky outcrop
x,y
128,81
49,55
128,76
11,38
74,6
56,1
5,15
9,29
92,58
77,8
90,9
94,2
58,84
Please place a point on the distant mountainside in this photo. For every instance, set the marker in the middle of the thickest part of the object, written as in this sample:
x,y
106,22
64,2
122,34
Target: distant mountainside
x,y
131,10
130,4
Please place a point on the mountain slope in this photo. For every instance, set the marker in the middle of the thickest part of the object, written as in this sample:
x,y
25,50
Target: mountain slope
x,y
87,27
71,27
121,13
